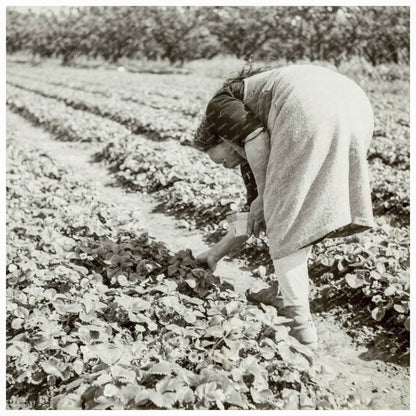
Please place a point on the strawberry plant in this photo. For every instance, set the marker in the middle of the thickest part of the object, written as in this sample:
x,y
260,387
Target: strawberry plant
x,y
102,316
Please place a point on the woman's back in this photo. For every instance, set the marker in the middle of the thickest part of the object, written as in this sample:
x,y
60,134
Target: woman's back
x,y
315,88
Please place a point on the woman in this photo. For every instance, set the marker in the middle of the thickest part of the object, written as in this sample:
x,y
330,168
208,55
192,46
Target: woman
x,y
300,134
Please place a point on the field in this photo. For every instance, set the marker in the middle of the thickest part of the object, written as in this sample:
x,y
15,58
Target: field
x,y
107,307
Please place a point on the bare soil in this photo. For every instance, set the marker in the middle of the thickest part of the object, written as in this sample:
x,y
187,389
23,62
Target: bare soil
x,y
349,372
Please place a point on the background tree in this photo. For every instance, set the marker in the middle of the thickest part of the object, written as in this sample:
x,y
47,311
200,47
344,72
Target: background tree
x,y
243,30
180,34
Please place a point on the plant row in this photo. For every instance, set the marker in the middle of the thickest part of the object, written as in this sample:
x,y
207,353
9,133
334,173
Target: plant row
x,y
140,91
163,85
161,124
102,316
390,143
192,186
189,194
64,122
201,188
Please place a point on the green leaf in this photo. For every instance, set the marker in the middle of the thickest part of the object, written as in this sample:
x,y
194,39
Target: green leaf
x,y
400,308
263,396
216,331
78,366
17,323
71,349
353,281
108,354
110,390
103,379
52,366
391,290
123,374
378,313
71,401
163,367
185,395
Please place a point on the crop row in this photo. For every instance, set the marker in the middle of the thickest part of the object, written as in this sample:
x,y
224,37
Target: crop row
x,y
154,97
392,136
195,185
365,280
184,177
196,87
392,115
101,316
392,147
152,167
61,120
159,123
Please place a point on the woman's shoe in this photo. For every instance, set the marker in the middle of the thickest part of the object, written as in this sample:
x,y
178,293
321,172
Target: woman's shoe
x,y
306,334
302,326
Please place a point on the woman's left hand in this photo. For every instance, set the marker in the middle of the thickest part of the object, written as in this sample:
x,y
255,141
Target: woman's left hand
x,y
256,223
209,258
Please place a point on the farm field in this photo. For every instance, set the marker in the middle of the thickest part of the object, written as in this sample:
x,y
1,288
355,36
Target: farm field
x,y
117,312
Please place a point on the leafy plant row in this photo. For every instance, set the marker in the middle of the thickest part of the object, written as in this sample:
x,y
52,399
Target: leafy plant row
x,y
161,124
200,187
370,273
141,167
391,141
390,144
101,316
154,96
63,121
390,192
390,187
365,280
196,88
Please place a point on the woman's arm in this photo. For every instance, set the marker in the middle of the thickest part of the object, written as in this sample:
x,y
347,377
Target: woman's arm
x,y
225,246
257,152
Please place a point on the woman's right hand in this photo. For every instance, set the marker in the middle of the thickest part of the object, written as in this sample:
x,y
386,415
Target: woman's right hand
x,y
255,222
208,258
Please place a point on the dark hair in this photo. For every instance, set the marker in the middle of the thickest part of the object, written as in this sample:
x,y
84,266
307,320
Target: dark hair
x,y
251,68
204,138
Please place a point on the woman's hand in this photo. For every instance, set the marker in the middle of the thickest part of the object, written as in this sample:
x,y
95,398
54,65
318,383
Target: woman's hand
x,y
255,223
209,258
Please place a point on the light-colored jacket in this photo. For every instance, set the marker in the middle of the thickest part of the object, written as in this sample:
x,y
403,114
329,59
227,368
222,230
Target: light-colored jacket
x,y
320,125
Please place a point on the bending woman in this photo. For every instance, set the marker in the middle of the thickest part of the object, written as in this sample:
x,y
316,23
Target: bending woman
x,y
300,134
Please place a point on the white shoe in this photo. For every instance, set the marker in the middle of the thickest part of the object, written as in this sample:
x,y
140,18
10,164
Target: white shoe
x,y
302,326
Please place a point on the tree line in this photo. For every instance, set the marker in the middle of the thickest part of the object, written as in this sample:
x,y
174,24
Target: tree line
x,y
183,33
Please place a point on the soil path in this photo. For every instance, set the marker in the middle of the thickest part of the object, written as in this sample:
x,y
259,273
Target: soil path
x,y
348,371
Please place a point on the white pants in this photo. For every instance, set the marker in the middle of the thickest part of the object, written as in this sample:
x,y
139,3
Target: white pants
x,y
292,275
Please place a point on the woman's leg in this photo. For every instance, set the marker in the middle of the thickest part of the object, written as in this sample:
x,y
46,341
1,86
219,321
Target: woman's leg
x,y
292,275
